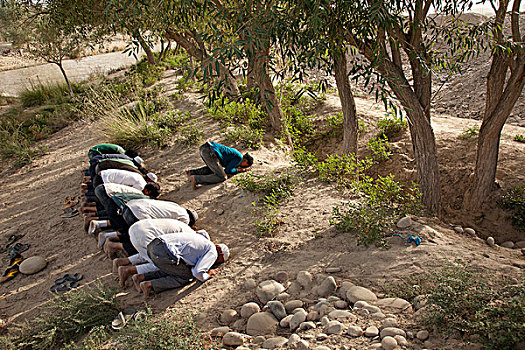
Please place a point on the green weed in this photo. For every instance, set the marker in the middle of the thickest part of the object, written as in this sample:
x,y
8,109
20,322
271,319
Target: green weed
x,y
246,113
391,126
248,138
342,169
190,135
514,200
306,98
380,149
469,133
519,138
40,95
299,125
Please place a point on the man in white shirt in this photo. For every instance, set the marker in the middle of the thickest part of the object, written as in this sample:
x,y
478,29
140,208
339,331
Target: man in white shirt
x,y
174,256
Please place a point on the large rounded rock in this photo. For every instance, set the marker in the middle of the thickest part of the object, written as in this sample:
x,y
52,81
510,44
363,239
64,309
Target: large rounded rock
x,y
32,265
394,305
277,309
293,304
285,322
274,343
342,315
327,287
389,343
261,323
267,290
404,222
491,242
220,331
508,244
334,327
371,332
228,316
357,293
249,309
354,331
391,332
233,339
304,278
345,286
298,318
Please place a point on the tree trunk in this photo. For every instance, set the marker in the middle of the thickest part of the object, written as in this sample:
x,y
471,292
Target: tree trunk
x,y
423,140
497,111
261,58
146,48
59,64
347,102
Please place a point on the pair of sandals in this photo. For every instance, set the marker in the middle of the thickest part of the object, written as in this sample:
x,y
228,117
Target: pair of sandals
x,y
69,207
12,239
125,316
17,249
13,269
66,283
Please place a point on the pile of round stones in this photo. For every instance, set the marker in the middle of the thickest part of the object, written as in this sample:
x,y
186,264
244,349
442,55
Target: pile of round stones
x,y
316,314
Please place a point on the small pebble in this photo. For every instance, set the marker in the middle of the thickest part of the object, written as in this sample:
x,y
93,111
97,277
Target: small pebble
x,y
371,332
389,343
470,231
422,335
491,242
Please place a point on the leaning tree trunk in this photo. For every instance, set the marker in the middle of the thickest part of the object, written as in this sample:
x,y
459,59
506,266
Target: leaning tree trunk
x,y
347,102
261,58
423,140
59,64
496,114
147,49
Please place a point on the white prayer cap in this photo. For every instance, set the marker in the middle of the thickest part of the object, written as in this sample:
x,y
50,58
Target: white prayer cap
x,y
138,160
152,177
225,251
204,234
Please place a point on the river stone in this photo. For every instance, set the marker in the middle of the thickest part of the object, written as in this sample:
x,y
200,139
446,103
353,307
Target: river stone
x,y
389,322
519,244
281,276
470,231
298,318
228,316
491,242
341,304
508,244
332,269
375,346
342,315
261,323
249,284
273,343
313,316
321,337
391,332
389,343
360,304
422,335
372,309
249,309
283,297
357,293
277,309
285,322
354,331
401,341
220,331
395,305
304,278
32,265
458,229
345,286
322,347
371,332
233,339
294,288
404,222
324,320
302,345
327,287
378,316
292,305
239,325
334,327
258,339
267,290
293,340
307,325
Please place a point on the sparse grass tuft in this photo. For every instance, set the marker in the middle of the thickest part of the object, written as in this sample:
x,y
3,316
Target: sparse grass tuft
x,y
40,95
67,318
190,135
514,200
470,133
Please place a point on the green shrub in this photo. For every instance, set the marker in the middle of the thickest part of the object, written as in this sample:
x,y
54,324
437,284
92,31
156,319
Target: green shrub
x,y
67,318
514,200
248,138
384,200
342,169
380,149
245,113
299,125
519,138
190,135
391,126
335,124
162,333
306,98
304,160
173,119
469,133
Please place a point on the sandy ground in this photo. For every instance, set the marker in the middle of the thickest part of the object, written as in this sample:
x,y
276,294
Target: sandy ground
x,y
32,196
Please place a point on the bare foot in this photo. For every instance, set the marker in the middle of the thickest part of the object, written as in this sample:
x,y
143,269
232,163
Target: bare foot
x,y
118,262
146,288
193,183
137,280
124,272
87,220
111,247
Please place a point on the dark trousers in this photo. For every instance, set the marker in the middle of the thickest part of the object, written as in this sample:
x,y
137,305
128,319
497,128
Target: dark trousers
x,y
173,273
213,172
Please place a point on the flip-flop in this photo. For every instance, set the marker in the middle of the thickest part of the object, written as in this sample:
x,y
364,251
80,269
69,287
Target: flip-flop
x,y
69,278
12,239
18,248
13,269
123,318
64,286
69,213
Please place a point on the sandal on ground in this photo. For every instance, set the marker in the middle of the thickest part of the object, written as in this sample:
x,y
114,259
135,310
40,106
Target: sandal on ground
x,y
12,239
123,318
63,287
69,278
18,248
12,269
69,213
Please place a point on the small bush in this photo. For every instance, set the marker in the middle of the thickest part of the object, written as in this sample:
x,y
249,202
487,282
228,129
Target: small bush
x,y
469,133
67,318
335,124
519,138
391,126
172,119
40,95
190,135
248,138
342,169
380,149
306,98
304,160
246,113
300,126
514,200
163,333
